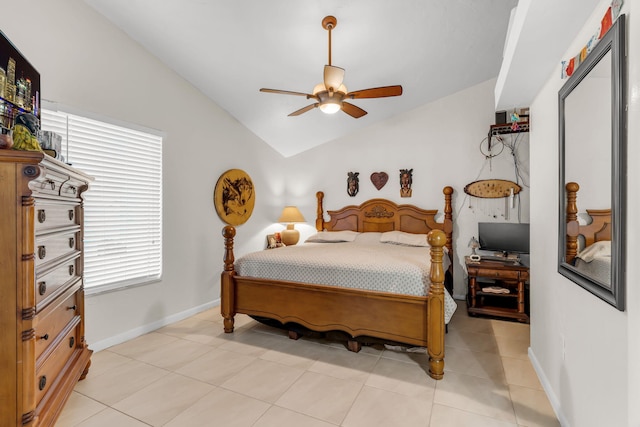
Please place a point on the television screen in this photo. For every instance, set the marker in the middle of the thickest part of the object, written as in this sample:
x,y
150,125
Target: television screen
x,y
504,237
19,84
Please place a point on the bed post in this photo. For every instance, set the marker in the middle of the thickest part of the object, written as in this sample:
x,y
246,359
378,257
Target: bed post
x,y
572,222
226,280
435,305
448,220
319,212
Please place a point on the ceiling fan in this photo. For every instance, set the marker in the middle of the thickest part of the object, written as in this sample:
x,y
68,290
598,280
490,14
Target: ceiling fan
x,y
330,95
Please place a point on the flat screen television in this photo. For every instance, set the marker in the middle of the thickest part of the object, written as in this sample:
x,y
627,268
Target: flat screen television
x,y
19,84
506,237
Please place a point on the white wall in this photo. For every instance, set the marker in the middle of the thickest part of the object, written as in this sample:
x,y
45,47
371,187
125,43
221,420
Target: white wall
x,y
87,63
583,348
441,142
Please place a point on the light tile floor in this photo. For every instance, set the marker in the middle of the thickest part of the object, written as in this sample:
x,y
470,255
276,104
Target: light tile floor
x,y
192,374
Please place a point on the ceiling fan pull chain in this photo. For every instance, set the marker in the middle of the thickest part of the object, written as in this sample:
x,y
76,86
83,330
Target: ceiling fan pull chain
x,y
329,29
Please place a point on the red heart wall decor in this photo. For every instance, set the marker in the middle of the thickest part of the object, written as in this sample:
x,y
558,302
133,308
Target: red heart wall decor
x,y
379,179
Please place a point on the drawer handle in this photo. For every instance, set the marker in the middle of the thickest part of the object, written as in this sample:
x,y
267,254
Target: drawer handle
x,y
72,341
72,242
73,307
45,337
49,182
42,288
71,270
42,252
71,189
42,216
42,383
71,214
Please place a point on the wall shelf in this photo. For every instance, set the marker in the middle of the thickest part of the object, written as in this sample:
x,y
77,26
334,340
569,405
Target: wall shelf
x,y
502,129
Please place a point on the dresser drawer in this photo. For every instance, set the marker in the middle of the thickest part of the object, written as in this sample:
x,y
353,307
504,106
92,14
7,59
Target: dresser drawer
x,y
50,215
50,366
49,182
491,273
55,280
52,247
53,321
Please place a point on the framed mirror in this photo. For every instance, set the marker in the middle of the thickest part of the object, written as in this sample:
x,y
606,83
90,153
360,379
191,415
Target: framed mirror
x,y
592,124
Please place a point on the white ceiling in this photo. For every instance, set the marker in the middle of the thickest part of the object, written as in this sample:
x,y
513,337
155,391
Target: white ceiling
x,y
231,49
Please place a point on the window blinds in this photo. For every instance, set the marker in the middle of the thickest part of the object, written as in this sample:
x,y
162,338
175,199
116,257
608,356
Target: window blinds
x,y
123,207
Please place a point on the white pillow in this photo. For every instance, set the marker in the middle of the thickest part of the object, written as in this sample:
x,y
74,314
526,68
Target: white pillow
x,y
369,238
403,238
597,250
333,236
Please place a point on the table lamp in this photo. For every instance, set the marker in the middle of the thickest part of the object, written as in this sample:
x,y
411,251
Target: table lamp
x,y
290,235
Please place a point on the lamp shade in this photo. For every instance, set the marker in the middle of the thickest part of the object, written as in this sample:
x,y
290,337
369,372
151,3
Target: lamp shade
x,y
291,214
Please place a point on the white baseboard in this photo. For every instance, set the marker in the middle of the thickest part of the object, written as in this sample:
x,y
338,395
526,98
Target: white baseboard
x,y
553,399
150,327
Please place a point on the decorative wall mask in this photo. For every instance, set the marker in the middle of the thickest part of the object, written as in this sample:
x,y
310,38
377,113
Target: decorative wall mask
x,y
353,183
406,179
234,197
379,179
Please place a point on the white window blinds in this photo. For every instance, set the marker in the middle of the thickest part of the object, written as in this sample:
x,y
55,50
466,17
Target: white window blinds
x,y
123,207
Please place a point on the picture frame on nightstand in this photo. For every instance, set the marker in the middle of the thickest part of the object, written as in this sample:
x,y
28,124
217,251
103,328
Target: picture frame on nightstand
x,y
274,241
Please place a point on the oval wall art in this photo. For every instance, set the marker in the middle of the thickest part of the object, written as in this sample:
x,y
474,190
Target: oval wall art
x,y
234,197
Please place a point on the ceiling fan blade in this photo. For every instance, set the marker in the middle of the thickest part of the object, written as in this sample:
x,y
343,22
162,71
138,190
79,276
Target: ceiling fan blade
x,y
304,110
333,77
352,110
287,92
376,92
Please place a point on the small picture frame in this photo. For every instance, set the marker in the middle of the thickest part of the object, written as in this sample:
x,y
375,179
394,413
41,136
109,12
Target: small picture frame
x,y
274,241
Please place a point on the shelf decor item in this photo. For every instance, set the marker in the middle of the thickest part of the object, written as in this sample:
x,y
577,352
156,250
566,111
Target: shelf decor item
x,y
234,197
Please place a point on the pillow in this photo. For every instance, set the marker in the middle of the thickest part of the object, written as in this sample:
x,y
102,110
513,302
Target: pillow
x,y
597,250
406,239
368,238
333,236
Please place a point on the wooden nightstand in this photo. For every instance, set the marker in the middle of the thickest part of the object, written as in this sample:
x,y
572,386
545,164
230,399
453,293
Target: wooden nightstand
x,y
507,275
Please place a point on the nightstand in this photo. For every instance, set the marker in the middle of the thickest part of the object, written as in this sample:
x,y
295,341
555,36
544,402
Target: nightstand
x,y
497,288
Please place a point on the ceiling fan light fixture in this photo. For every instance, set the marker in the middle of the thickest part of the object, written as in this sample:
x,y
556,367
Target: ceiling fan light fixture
x,y
330,107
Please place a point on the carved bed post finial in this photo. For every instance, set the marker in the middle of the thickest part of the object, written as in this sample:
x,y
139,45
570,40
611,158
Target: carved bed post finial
x,y
227,293
572,222
320,212
435,309
228,232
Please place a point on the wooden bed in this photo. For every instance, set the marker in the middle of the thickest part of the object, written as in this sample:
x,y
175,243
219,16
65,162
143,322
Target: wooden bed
x,y
598,230
413,320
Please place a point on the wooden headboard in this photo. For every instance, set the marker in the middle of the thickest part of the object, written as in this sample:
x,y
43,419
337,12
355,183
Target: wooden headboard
x,y
599,229
384,215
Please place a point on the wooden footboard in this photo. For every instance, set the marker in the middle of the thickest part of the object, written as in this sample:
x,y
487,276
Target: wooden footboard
x,y
408,319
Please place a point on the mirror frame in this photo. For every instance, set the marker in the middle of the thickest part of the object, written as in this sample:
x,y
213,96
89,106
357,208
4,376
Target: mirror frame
x,y
613,41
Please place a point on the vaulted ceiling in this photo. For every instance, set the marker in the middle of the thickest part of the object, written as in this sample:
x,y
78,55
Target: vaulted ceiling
x,y
231,49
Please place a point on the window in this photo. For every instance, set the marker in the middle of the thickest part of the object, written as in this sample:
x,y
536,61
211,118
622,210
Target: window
x,y
123,207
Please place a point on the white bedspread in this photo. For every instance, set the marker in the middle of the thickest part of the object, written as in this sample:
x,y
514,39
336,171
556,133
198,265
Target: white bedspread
x,y
362,264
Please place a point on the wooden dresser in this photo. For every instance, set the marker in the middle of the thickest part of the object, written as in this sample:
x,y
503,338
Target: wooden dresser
x,y
43,350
